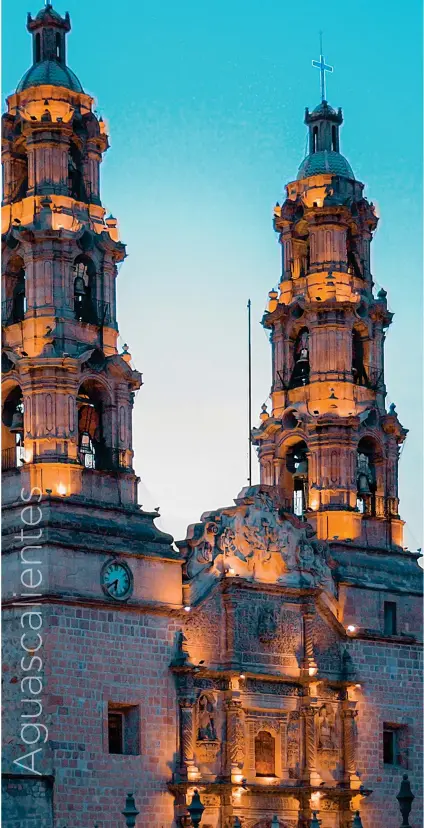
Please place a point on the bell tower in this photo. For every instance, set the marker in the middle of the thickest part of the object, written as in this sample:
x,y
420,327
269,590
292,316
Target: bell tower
x,y
85,569
68,393
329,445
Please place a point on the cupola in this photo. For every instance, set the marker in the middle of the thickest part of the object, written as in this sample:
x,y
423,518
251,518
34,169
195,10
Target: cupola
x,y
49,67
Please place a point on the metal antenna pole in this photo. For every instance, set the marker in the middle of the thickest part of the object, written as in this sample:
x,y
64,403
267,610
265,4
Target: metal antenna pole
x,y
250,389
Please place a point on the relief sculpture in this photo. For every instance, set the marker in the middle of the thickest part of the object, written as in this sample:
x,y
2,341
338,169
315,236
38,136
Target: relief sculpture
x,y
206,718
253,540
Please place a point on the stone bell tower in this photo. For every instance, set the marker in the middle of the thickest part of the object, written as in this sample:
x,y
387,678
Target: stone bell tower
x,y
88,578
68,393
329,444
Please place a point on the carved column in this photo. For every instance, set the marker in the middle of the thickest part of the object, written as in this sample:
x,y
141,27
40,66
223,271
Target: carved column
x,y
348,717
230,605
187,766
235,746
310,775
309,664
283,735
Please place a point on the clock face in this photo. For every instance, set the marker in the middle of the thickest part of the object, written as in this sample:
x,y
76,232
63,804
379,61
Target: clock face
x,y
117,580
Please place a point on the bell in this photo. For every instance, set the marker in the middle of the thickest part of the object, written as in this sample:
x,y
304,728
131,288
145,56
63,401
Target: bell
x,y
79,286
17,424
363,485
302,469
303,356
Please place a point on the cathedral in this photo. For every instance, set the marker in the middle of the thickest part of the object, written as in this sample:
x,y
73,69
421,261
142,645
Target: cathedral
x,y
269,660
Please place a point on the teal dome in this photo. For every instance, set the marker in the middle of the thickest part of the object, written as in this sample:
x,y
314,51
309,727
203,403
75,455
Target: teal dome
x,y
51,73
48,12
325,161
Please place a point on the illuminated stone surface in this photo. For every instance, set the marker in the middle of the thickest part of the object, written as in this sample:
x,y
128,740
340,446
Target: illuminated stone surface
x,y
257,693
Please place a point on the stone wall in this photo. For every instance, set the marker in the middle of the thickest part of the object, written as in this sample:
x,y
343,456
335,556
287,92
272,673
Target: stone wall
x,y
391,692
27,802
93,657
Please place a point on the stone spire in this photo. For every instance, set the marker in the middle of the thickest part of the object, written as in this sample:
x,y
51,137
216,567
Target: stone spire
x,y
64,374
329,446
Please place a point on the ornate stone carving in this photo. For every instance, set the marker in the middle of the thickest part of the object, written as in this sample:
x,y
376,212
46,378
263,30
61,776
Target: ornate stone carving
x,y
235,736
252,540
274,688
187,741
267,623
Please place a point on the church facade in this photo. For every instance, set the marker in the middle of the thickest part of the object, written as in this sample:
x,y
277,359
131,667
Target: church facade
x,y
270,659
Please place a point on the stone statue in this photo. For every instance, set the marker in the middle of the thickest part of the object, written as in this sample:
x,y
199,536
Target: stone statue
x,y
205,719
326,728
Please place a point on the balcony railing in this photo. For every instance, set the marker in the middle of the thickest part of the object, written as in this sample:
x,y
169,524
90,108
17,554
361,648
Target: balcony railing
x,y
93,312
104,458
368,376
12,458
11,312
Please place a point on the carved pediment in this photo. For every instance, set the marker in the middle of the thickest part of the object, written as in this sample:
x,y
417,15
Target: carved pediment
x,y
252,540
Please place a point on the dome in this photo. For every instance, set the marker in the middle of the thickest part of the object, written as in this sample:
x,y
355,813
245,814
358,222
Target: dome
x,y
325,161
324,109
48,11
51,73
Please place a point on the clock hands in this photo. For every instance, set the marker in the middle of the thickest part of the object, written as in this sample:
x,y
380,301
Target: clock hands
x,y
114,584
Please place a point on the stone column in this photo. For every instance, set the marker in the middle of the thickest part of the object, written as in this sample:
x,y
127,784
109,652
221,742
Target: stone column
x,y
310,774
309,664
187,766
230,605
235,744
348,717
283,736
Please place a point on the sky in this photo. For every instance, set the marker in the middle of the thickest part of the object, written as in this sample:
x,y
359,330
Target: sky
x,y
205,103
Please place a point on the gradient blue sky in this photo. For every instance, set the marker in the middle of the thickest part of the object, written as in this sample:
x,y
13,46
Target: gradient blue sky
x,y
205,105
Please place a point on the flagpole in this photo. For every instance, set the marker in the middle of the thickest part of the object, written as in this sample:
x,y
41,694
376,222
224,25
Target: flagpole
x,y
250,390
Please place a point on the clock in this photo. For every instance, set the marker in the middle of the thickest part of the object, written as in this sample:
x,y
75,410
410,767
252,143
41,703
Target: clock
x,y
117,580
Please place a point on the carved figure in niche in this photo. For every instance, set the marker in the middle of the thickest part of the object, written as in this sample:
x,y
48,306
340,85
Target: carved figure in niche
x,y
264,754
205,719
326,728
267,623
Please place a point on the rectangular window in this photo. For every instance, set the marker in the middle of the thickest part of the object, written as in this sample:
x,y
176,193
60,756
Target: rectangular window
x,y
390,618
124,729
389,746
116,732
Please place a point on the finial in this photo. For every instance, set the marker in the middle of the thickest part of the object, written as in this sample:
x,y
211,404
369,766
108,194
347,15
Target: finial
x,y
323,67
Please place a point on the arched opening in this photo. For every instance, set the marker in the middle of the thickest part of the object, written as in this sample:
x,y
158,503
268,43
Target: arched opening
x,y
12,430
95,450
58,46
366,476
315,139
75,174
359,370
334,138
354,264
293,480
264,754
84,281
37,48
14,303
301,368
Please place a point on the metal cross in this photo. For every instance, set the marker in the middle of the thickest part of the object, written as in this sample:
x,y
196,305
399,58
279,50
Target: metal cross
x,y
323,67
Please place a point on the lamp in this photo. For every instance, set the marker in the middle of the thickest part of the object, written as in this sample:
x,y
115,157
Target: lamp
x,y
405,798
130,812
196,809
